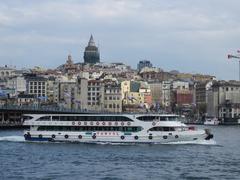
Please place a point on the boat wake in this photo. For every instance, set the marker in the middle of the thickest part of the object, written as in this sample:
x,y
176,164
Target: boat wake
x,y
12,139
200,142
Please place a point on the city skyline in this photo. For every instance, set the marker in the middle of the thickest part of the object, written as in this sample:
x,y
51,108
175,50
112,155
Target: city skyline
x,y
166,33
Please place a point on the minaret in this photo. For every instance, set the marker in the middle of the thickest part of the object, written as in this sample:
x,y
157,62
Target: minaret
x,y
91,53
70,67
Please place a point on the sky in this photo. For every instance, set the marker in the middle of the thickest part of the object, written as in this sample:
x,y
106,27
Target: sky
x,y
184,35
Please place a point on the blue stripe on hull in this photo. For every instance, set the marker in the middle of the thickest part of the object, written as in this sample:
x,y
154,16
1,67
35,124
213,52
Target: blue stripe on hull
x,y
37,139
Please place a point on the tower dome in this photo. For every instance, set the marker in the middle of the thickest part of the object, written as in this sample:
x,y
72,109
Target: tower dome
x,y
91,53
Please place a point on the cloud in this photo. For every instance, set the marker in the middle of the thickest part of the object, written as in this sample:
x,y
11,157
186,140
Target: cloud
x,y
172,34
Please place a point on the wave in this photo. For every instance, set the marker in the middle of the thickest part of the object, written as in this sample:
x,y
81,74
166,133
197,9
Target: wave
x,y
200,142
12,139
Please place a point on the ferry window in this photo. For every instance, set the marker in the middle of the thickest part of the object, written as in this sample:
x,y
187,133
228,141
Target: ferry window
x,y
165,128
146,118
45,118
162,129
172,118
171,129
62,118
55,118
163,119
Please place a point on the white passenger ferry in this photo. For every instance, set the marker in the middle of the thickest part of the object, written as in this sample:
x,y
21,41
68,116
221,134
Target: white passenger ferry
x,y
111,128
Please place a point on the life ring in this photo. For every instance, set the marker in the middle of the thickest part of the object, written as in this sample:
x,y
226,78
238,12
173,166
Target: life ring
x,y
79,123
94,136
91,123
103,123
80,137
73,123
53,136
40,136
109,123
97,123
176,136
136,137
150,137
85,123
164,137
153,123
122,137
122,123
128,123
66,136
116,123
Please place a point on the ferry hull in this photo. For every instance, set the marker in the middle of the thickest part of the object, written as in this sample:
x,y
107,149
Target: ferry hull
x,y
118,139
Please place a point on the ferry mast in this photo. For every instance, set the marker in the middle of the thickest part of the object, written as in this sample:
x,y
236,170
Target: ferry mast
x,y
230,56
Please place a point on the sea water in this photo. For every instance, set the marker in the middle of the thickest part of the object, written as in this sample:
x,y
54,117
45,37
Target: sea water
x,y
215,159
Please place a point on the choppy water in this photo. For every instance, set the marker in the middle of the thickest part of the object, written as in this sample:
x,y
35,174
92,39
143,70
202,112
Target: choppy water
x,y
211,160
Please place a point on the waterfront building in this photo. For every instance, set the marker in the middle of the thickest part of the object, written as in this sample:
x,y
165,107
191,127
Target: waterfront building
x,y
155,75
6,72
156,92
166,95
26,99
136,94
112,97
95,94
144,63
81,97
18,83
91,53
50,89
37,85
183,97
201,90
67,93
180,85
224,101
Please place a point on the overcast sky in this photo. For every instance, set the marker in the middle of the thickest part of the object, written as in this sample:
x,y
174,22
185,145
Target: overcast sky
x,y
187,35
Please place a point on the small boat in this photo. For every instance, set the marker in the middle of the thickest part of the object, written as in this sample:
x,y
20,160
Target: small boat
x,y
211,121
111,128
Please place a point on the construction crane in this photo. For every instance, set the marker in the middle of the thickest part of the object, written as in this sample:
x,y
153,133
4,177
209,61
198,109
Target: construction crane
x,y
236,56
